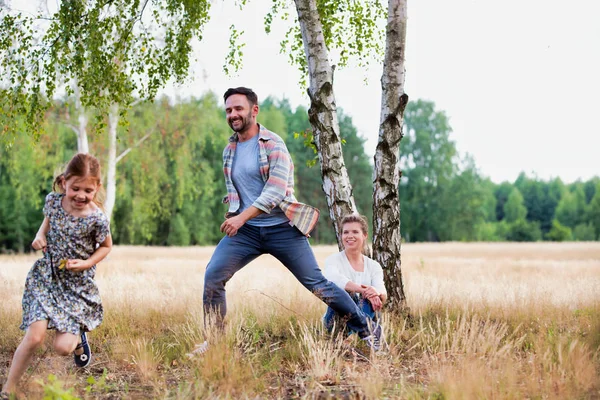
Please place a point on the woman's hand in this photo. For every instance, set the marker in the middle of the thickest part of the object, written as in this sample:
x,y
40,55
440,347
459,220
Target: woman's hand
x,y
369,291
375,303
371,294
39,243
78,265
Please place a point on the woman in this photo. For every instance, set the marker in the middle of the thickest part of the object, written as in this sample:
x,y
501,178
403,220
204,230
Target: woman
x,y
353,271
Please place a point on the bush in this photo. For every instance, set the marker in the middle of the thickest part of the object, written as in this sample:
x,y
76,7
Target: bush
x,y
559,232
490,232
584,232
179,233
524,231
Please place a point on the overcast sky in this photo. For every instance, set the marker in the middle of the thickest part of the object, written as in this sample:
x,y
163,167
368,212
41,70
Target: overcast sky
x,y
518,79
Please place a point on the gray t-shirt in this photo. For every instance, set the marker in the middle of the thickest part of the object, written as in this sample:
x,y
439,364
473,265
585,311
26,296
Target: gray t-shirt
x,y
248,182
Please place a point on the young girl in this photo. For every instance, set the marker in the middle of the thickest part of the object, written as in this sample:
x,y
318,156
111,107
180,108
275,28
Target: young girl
x,y
60,292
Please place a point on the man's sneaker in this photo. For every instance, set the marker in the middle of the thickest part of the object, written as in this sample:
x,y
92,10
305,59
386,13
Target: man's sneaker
x,y
375,339
199,350
83,360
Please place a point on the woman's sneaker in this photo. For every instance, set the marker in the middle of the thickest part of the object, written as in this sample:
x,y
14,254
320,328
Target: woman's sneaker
x,y
375,339
83,360
199,350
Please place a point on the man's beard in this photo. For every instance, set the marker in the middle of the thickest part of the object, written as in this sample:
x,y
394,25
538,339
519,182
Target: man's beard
x,y
244,125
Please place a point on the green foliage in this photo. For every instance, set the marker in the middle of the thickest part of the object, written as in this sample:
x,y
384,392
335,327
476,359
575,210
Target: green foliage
x,y
235,55
524,231
170,186
442,196
489,232
353,31
502,230
571,208
179,234
559,233
584,232
593,214
514,208
111,50
100,385
54,390
501,192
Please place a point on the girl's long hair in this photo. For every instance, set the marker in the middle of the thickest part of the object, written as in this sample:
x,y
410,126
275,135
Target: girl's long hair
x,y
83,165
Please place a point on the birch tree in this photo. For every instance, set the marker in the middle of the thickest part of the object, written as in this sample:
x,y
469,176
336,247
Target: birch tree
x,y
79,43
81,130
351,28
386,203
103,53
323,116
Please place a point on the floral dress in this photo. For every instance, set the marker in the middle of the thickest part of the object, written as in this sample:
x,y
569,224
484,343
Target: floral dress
x,y
69,301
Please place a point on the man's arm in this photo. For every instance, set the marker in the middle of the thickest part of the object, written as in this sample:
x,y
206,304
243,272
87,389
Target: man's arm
x,y
231,225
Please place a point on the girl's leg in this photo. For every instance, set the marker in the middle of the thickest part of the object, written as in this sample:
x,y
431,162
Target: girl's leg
x,y
34,337
65,343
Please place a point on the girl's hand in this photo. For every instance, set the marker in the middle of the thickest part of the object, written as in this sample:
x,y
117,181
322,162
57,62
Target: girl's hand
x,y
78,265
39,243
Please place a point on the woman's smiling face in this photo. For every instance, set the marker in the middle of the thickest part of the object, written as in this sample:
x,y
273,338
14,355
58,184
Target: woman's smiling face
x,y
353,236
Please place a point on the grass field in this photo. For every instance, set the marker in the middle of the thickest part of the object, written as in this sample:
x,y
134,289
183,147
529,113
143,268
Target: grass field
x,y
489,321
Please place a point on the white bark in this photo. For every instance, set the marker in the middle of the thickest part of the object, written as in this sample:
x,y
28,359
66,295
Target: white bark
x,y
386,204
82,139
323,116
111,171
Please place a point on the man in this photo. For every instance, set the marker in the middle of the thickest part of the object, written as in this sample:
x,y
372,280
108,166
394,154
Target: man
x,y
264,217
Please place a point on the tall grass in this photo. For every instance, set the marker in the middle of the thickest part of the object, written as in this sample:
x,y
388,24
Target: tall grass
x,y
487,321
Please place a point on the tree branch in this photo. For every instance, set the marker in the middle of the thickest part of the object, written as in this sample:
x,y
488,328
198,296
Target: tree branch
x,y
123,154
75,129
142,11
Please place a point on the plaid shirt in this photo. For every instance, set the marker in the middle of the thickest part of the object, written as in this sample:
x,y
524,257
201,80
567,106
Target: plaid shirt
x,y
277,171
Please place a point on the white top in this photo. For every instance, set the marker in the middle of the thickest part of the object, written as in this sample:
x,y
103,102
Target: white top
x,y
339,271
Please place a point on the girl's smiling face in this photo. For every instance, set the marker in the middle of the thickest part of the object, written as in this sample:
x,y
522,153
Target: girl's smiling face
x,y
80,192
353,236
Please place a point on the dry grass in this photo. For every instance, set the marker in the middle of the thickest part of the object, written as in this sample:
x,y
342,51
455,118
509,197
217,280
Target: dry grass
x,y
487,321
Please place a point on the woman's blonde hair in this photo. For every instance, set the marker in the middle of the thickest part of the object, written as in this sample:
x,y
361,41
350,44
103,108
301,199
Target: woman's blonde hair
x,y
83,165
364,226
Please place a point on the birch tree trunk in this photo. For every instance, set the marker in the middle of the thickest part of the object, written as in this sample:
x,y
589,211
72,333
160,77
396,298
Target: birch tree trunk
x,y
386,204
111,171
322,115
82,139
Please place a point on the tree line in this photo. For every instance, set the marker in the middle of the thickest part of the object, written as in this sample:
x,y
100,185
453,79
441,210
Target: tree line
x,y
170,186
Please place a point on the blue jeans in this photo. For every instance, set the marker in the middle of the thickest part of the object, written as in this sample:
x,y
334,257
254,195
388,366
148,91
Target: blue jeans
x,y
291,248
332,318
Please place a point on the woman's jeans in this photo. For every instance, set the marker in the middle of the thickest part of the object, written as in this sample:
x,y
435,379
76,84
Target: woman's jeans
x,y
291,248
332,319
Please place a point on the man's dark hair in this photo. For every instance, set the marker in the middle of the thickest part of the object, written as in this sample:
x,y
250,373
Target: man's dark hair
x,y
249,93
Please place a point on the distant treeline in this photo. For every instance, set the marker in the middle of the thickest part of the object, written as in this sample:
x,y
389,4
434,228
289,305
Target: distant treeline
x,y
170,186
